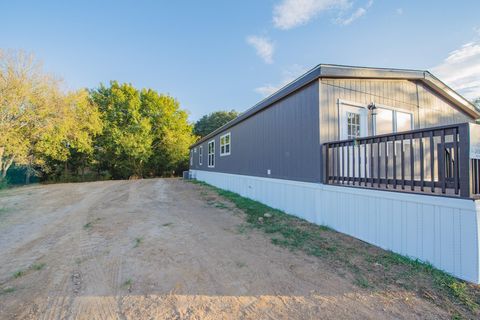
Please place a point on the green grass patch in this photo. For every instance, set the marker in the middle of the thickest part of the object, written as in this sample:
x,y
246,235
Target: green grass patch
x,y
138,242
370,267
3,211
90,224
128,284
18,274
38,266
7,290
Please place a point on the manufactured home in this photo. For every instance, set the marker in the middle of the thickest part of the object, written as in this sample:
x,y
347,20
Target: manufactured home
x,y
389,156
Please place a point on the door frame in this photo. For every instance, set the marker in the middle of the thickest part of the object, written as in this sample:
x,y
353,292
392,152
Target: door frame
x,y
343,106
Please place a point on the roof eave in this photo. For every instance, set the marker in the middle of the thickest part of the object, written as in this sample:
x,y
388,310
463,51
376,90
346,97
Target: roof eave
x,y
451,95
339,71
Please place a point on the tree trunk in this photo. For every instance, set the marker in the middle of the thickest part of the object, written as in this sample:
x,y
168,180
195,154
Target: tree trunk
x,y
5,166
27,176
83,168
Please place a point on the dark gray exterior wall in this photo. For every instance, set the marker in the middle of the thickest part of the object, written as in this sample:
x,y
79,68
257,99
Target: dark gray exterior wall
x,y
286,136
283,138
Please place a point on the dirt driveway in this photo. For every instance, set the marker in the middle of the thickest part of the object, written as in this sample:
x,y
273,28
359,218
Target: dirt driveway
x,y
155,249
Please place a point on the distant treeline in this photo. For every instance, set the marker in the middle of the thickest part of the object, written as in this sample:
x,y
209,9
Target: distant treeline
x,y
114,131
111,132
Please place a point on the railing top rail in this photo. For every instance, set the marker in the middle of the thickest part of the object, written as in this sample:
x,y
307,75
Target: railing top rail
x,y
402,133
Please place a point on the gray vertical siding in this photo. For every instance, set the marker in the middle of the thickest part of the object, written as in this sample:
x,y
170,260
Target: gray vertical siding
x,y
283,138
428,107
286,137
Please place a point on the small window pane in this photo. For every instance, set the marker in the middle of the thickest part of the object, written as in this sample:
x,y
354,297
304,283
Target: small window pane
x,y
383,121
404,121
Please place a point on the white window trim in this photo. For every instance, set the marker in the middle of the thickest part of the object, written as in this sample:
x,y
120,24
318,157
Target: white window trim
x,y
378,105
200,155
222,154
364,120
208,154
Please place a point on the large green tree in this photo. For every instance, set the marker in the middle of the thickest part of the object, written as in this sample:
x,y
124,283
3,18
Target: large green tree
x,y
126,142
172,133
208,123
38,121
145,133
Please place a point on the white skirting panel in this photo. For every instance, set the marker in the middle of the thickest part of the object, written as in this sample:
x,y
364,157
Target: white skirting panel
x,y
439,230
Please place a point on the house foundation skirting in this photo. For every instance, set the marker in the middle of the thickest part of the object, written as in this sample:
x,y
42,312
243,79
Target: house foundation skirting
x,y
440,230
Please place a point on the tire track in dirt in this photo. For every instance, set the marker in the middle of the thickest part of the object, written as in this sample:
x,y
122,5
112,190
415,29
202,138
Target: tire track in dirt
x,y
189,262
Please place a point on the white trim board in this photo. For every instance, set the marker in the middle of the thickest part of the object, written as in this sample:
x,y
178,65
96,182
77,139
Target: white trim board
x,y
439,230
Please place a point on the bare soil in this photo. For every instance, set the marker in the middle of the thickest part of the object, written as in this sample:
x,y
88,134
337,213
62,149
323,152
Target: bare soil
x,y
159,249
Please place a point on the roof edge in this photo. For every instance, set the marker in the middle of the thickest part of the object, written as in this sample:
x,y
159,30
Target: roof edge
x,y
345,71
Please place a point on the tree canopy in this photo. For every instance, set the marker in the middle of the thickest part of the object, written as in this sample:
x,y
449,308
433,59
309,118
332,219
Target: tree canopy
x,y
146,133
115,131
212,121
38,121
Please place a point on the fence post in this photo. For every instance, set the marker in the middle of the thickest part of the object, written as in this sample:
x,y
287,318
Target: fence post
x,y
464,160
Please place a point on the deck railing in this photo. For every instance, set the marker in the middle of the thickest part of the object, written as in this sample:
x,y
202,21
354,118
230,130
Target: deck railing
x,y
431,160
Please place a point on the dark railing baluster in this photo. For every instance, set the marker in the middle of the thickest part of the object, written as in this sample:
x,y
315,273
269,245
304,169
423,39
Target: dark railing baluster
x,y
442,163
402,159
326,167
333,163
365,163
348,161
455,159
432,161
338,163
394,153
412,164
378,162
353,162
386,163
344,163
356,146
422,165
371,163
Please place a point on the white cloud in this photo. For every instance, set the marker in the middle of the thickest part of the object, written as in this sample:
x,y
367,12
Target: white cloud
x,y
355,15
288,75
461,70
293,13
263,46
399,11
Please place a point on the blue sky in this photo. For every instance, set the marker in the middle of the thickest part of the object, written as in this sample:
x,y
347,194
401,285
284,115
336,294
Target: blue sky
x,y
214,55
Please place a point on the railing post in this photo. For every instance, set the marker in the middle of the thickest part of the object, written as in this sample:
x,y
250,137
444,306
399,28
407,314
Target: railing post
x,y
326,173
464,160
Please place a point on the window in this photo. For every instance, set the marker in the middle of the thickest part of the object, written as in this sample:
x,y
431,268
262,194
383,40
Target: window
x,y
211,154
391,121
403,121
191,158
225,144
383,121
353,125
200,155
